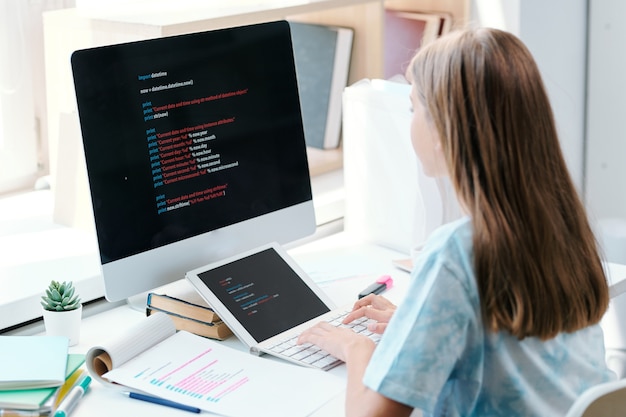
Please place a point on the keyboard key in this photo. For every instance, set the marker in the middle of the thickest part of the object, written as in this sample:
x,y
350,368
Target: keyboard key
x,y
293,350
314,357
328,360
303,354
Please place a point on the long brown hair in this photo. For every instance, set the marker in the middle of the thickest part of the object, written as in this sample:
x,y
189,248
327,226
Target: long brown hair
x,y
537,262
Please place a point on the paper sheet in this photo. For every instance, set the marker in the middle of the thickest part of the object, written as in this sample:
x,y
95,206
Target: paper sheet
x,y
202,373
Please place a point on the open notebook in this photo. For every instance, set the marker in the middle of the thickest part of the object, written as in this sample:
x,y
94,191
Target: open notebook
x,y
267,300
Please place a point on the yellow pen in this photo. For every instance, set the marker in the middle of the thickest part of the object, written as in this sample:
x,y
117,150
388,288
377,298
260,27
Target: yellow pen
x,y
67,386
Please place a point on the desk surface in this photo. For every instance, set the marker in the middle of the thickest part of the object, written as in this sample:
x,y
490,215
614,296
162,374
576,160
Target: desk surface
x,y
341,267
338,264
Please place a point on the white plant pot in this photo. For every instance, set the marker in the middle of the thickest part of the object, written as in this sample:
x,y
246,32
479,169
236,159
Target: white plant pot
x,y
64,323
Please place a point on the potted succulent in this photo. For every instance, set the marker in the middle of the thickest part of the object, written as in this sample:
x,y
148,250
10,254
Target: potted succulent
x,y
62,310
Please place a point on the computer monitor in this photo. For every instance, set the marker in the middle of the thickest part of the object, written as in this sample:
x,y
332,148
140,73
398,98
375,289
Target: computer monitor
x,y
194,149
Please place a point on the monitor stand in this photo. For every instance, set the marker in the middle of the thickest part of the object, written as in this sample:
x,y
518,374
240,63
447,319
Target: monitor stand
x,y
138,302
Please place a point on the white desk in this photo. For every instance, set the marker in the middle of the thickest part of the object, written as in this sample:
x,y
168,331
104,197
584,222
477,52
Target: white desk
x,y
341,267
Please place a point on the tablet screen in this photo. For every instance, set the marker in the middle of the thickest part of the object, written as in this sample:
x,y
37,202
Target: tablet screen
x,y
263,293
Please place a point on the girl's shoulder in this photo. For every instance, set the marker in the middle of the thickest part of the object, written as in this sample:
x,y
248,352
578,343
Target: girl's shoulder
x,y
448,251
457,233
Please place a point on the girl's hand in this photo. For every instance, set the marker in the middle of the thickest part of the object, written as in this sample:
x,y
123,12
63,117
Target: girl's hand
x,y
356,351
375,307
338,341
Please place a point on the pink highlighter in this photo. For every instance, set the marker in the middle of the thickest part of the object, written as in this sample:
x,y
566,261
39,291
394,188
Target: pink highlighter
x,y
379,286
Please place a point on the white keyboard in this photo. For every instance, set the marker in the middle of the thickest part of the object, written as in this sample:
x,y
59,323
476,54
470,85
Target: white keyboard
x,y
311,355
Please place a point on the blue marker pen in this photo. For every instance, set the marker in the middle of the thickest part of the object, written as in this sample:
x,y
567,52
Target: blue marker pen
x,y
163,401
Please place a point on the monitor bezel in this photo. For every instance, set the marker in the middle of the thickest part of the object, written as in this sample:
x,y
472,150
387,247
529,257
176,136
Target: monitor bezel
x,y
144,271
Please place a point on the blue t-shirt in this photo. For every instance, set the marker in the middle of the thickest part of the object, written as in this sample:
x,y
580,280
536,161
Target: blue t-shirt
x,y
435,354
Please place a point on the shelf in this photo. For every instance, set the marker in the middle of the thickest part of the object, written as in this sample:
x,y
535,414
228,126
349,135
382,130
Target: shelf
x,y
173,16
322,161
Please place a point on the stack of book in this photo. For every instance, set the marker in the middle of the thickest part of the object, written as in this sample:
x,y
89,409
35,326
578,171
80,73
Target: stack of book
x,y
191,314
406,31
36,372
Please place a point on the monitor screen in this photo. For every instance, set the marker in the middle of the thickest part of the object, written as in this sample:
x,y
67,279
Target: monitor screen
x,y
194,149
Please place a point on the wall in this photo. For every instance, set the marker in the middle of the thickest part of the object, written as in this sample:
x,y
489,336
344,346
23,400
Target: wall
x,y
579,46
606,131
555,32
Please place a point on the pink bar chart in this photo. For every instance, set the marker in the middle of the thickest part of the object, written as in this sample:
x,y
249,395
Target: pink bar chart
x,y
208,382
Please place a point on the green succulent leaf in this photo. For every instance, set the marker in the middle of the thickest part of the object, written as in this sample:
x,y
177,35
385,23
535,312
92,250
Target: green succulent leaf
x,y
60,297
69,293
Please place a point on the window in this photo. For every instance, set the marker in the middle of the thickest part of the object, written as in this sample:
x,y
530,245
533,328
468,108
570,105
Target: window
x,y
18,144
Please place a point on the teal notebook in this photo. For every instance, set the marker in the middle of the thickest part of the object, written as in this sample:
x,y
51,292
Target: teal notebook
x,y
32,361
37,399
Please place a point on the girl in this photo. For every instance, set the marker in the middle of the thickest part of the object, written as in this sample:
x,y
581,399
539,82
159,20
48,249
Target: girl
x,y
501,317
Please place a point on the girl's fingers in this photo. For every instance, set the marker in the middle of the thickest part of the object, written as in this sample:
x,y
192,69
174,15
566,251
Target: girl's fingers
x,y
370,313
378,328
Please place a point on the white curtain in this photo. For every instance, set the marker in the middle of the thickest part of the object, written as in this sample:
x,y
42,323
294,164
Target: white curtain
x,y
18,146
23,143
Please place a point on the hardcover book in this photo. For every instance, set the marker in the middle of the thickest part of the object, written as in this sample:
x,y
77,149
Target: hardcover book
x,y
406,32
322,59
191,306
195,317
215,330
